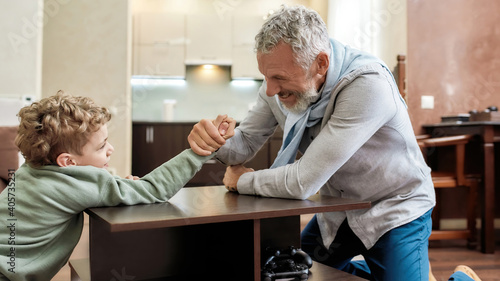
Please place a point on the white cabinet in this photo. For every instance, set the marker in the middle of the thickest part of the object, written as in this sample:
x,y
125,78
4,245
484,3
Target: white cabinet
x,y
163,43
209,39
244,58
159,44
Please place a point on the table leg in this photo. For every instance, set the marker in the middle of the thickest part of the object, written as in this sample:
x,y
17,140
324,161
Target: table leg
x,y
488,208
256,250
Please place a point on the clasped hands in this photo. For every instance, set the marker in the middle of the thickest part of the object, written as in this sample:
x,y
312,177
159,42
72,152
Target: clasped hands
x,y
207,136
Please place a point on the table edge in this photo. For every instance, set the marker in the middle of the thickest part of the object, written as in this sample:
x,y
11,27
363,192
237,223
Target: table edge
x,y
118,227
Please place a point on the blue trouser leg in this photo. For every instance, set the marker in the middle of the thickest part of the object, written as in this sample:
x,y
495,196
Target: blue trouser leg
x,y
339,254
460,276
400,254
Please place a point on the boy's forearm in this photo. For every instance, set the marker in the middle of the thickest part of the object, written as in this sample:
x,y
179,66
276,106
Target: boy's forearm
x,y
176,173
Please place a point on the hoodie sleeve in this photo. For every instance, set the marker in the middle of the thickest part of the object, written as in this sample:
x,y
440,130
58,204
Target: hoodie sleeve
x,y
157,186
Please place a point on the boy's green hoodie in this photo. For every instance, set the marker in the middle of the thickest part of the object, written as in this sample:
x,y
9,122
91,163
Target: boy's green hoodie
x,y
41,211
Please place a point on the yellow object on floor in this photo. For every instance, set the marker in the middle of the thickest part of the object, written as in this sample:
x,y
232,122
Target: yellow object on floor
x,y
431,276
467,270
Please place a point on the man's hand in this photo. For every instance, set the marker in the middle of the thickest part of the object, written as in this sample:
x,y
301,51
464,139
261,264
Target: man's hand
x,y
233,174
209,135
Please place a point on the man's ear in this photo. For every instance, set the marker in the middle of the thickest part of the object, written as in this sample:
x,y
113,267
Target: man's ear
x,y
323,62
65,159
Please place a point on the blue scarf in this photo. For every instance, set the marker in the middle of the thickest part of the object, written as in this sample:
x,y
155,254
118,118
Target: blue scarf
x,y
343,59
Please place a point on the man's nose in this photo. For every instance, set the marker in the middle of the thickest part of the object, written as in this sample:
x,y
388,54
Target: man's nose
x,y
272,88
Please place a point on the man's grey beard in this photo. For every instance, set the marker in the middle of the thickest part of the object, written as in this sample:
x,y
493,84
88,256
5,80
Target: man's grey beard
x,y
304,100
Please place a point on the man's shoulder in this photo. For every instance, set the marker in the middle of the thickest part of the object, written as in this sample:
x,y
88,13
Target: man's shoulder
x,y
371,68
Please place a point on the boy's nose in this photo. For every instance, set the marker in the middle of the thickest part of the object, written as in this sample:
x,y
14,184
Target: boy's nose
x,y
111,149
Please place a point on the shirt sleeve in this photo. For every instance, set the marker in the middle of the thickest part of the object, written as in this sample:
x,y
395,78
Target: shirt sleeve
x,y
157,186
362,108
253,132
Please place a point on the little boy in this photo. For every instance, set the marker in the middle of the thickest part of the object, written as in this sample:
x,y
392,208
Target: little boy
x,y
64,140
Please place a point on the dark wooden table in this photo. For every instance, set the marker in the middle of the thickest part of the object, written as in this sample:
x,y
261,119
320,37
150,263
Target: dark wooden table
x,y
200,232
489,133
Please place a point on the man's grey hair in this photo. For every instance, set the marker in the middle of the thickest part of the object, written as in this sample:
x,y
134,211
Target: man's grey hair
x,y
301,28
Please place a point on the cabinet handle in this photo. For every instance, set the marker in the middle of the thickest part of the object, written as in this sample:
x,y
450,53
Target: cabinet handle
x,y
211,161
150,135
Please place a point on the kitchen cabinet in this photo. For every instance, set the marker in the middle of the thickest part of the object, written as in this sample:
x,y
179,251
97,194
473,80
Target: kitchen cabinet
x,y
243,56
159,60
159,44
245,63
154,143
209,39
163,43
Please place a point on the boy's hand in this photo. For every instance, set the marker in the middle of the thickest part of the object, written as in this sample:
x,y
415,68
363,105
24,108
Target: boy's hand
x,y
209,135
130,177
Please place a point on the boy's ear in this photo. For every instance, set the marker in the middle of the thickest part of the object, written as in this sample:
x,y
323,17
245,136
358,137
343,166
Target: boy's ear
x,y
65,159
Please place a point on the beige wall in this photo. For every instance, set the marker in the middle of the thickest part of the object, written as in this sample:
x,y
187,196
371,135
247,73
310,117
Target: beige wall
x,y
20,48
320,6
86,51
453,55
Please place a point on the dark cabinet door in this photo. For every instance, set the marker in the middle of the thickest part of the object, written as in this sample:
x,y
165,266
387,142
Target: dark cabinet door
x,y
154,144
142,149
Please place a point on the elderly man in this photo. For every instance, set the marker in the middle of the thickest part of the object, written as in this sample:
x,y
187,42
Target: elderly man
x,y
341,109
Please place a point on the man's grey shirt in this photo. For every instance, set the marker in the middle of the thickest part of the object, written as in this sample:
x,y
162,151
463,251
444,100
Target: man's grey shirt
x,y
364,149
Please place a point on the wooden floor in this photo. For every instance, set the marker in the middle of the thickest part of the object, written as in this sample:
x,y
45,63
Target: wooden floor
x,y
446,255
443,255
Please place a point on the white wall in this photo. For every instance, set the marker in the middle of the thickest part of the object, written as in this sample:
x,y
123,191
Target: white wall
x,y
20,48
375,26
86,51
219,7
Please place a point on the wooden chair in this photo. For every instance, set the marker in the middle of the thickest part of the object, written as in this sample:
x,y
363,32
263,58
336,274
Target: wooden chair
x,y
457,177
400,75
446,179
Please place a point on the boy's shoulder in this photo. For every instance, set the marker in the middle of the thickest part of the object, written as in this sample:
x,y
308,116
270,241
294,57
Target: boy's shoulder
x,y
68,184
55,172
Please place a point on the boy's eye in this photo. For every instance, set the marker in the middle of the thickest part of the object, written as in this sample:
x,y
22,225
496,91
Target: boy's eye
x,y
103,145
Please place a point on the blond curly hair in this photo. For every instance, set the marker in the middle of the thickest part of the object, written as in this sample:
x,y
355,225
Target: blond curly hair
x,y
57,124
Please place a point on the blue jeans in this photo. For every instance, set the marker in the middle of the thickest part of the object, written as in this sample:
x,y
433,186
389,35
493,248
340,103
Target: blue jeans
x,y
460,276
400,254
